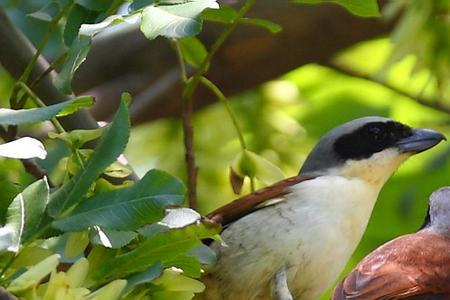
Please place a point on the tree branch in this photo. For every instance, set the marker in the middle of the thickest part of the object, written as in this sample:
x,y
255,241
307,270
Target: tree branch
x,y
16,51
432,103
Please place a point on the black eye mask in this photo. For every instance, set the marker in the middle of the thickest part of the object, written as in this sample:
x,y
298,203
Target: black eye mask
x,y
370,138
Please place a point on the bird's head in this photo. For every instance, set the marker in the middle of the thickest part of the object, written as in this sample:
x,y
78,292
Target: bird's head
x,y
369,148
438,218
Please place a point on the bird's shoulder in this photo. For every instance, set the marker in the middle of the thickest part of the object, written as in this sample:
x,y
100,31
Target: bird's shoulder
x,y
261,198
411,265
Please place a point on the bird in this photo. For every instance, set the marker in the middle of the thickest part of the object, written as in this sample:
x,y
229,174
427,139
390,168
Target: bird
x,y
413,266
292,239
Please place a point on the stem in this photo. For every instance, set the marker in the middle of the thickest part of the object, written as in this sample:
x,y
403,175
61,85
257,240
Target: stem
x,y
190,85
39,103
180,61
52,26
190,88
213,88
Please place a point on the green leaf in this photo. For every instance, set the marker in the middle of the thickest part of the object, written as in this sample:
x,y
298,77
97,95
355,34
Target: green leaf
x,y
111,291
25,213
138,4
127,208
34,115
112,238
269,25
76,56
47,12
362,8
190,265
92,29
97,5
77,138
174,21
111,145
225,14
23,148
250,164
76,244
146,276
174,281
194,52
77,16
34,274
162,247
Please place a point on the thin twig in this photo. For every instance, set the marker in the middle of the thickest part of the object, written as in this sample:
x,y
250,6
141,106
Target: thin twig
x,y
190,86
432,103
32,168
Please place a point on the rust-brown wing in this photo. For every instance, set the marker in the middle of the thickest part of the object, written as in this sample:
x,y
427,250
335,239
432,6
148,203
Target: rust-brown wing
x,y
249,203
415,266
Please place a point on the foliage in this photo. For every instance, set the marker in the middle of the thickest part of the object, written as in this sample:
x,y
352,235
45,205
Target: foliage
x,y
124,239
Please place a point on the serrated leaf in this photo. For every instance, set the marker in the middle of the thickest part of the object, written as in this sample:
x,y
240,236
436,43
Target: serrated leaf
x,y
269,25
34,115
77,138
174,21
23,148
194,52
224,14
362,8
127,208
112,238
76,56
162,247
24,214
111,145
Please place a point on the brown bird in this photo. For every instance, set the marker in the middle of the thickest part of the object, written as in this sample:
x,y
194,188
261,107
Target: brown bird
x,y
414,266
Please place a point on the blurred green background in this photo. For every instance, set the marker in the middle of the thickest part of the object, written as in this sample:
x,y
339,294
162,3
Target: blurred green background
x,y
282,119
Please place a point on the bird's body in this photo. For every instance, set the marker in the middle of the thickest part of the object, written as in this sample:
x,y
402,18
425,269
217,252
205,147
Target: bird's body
x,y
303,213
291,240
413,266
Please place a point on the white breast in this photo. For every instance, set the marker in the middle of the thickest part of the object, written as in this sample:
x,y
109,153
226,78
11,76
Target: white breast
x,y
313,233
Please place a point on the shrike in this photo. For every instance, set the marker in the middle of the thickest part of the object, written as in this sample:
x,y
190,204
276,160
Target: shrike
x,y
413,266
291,240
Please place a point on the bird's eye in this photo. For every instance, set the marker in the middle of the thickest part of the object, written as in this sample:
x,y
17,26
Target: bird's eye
x,y
376,132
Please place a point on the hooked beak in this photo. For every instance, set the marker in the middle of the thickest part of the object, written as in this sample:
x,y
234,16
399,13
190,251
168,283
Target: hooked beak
x,y
421,140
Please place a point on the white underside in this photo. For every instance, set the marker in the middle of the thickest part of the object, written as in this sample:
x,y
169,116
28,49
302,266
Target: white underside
x,y
313,237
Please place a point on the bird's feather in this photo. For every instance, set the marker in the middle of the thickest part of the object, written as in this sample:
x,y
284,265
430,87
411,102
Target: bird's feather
x,y
257,200
413,266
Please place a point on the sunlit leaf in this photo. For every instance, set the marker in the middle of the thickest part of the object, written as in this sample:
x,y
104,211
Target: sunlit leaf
x,y
174,21
33,115
77,273
34,274
162,247
111,145
127,208
76,244
23,148
111,291
76,56
180,217
93,29
112,238
24,215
